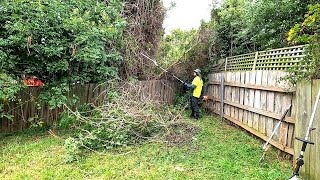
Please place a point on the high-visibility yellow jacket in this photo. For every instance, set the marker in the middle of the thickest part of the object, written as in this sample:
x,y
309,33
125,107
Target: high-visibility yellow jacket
x,y
198,83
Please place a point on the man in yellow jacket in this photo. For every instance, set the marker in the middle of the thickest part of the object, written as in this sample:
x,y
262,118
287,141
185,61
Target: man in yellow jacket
x,y
196,87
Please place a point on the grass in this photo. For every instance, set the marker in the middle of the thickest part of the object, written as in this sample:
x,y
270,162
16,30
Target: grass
x,y
219,151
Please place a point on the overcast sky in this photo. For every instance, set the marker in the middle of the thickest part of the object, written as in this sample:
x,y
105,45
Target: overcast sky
x,y
186,14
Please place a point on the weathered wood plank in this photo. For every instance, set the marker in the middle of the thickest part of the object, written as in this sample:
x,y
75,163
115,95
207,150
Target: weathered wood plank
x,y
263,105
272,115
277,105
241,95
236,95
286,102
227,94
316,133
232,94
251,97
314,158
270,103
303,110
257,100
246,98
249,86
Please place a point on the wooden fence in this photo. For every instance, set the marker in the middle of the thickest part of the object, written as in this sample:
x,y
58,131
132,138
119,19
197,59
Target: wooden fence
x,y
255,101
26,111
275,59
306,96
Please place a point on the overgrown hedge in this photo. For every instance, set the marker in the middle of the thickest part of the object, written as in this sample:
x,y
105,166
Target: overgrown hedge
x,y
57,40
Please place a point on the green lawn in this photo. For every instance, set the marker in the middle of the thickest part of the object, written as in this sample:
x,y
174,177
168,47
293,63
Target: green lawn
x,y
220,151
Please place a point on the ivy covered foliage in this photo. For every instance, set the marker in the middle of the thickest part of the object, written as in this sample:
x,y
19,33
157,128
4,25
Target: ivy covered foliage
x,y
307,32
61,40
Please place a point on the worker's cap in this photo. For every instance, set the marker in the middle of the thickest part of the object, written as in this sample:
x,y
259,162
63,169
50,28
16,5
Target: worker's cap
x,y
197,71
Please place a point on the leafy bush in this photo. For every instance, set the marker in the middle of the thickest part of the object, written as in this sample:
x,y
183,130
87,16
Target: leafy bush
x,y
307,32
61,42
8,89
53,39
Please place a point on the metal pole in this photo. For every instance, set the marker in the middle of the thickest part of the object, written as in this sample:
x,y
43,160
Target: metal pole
x,y
156,64
277,127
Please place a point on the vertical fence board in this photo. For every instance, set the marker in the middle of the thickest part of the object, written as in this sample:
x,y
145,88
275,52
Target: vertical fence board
x,y
241,95
270,104
263,95
232,95
303,110
286,102
316,134
257,100
277,107
237,92
251,97
226,94
314,170
246,98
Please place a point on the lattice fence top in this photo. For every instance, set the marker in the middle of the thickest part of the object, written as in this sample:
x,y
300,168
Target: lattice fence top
x,y
275,59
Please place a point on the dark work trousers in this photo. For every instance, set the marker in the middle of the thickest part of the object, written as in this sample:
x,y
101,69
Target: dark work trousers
x,y
195,107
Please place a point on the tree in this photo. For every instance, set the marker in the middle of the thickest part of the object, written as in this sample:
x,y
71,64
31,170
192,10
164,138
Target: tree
x,y
174,45
243,26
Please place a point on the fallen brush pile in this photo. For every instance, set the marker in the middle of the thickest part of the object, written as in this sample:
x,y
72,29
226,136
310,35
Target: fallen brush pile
x,y
125,118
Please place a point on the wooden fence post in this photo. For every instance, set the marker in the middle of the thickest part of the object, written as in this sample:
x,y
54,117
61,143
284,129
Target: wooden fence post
x,y
255,61
226,63
222,97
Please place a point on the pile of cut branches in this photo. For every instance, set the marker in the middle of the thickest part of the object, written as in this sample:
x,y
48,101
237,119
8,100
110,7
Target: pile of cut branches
x,y
126,118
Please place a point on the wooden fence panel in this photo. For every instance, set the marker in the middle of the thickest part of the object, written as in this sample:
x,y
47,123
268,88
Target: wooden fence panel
x,y
306,96
316,137
255,100
303,114
26,111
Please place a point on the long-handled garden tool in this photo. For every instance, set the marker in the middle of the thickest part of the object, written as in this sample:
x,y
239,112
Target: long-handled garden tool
x,y
300,161
156,64
204,98
265,146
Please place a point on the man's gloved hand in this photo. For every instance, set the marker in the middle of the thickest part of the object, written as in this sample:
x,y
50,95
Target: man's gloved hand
x,y
205,98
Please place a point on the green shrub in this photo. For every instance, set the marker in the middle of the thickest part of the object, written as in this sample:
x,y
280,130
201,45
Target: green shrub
x,y
61,42
307,32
